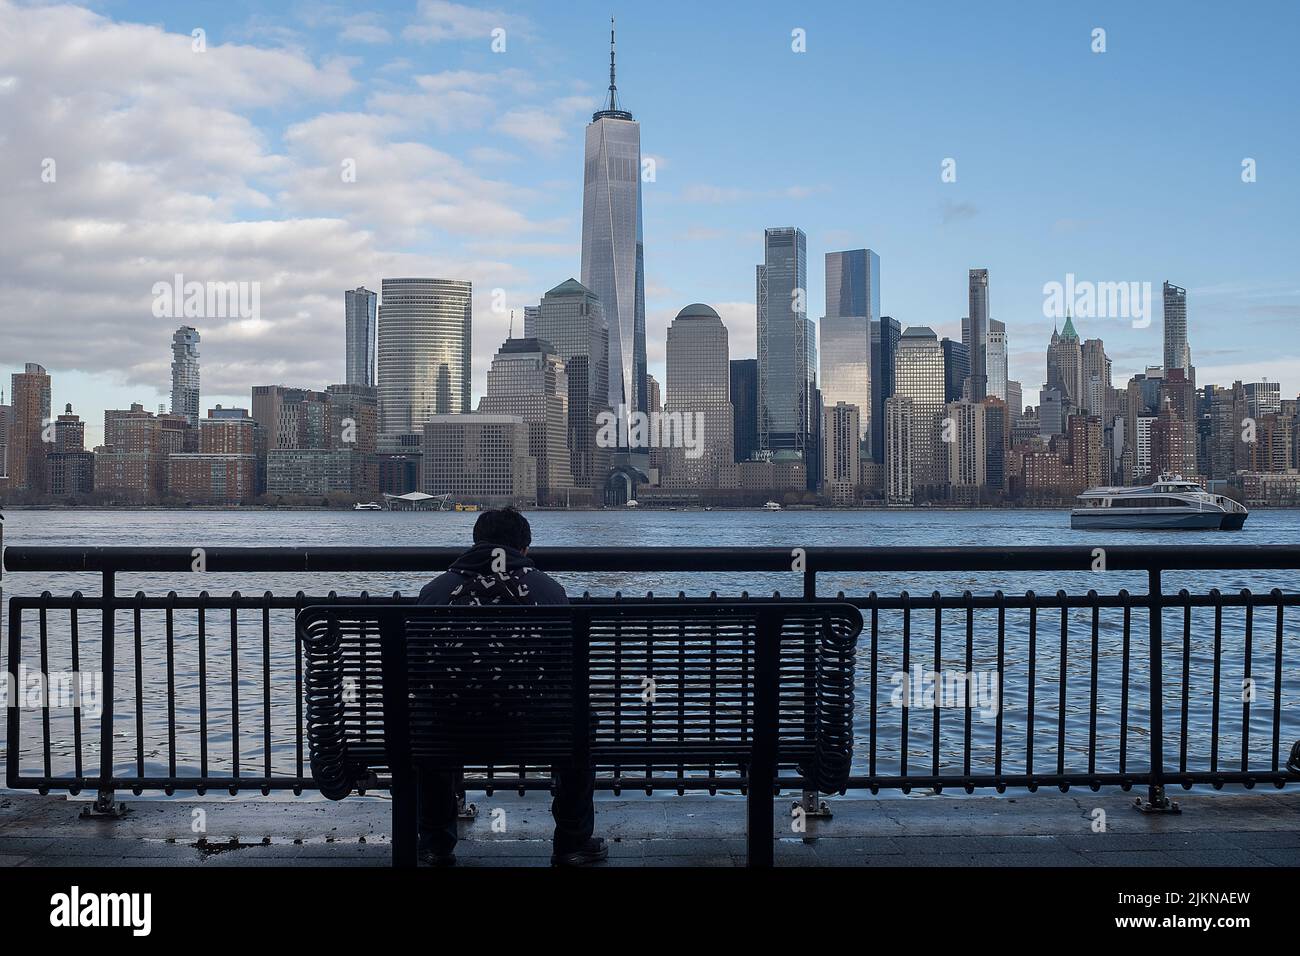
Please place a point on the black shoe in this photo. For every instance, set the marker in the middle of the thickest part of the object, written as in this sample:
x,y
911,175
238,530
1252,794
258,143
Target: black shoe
x,y
428,856
593,851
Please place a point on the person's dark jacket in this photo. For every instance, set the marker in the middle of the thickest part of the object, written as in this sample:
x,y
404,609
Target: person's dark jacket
x,y
537,587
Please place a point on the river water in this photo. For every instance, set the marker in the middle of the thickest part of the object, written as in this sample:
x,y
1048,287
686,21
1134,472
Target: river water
x,y
787,529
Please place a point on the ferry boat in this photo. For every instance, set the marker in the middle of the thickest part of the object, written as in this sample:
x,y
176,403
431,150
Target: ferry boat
x,y
366,506
1172,502
772,506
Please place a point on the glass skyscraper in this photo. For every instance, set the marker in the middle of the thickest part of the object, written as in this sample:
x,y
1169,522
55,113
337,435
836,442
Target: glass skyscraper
x,y
424,354
884,344
852,304
744,403
787,346
360,318
612,254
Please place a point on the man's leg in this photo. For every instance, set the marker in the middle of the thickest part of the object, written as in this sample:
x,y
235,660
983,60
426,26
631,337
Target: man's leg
x,y
574,808
437,792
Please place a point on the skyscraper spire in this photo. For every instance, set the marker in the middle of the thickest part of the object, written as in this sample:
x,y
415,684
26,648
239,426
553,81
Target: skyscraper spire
x,y
613,87
611,104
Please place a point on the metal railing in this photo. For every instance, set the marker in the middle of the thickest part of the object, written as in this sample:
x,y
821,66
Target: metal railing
x,y
1075,698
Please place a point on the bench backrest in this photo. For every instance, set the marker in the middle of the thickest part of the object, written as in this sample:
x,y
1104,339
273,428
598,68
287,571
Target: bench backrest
x,y
623,684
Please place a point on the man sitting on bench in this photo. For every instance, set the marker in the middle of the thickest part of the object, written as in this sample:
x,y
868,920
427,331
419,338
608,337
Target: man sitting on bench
x,y
497,570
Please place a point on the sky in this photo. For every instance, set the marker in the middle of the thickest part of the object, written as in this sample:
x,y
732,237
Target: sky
x,y
132,150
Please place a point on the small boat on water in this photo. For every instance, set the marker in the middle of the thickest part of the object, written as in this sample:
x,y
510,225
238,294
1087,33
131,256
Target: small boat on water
x,y
772,506
367,506
1172,502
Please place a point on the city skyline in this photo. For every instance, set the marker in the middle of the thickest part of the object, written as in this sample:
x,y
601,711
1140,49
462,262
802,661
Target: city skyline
x,y
516,224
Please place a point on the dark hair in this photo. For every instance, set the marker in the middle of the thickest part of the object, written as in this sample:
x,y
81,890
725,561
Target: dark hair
x,y
503,526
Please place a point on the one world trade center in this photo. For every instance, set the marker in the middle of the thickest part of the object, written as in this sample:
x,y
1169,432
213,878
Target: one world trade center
x,y
612,265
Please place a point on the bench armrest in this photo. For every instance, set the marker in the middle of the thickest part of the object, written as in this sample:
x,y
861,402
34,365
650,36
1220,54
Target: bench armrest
x,y
323,688
836,662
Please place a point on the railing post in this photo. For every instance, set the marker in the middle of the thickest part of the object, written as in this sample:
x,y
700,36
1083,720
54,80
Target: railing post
x,y
1157,801
761,809
810,801
105,805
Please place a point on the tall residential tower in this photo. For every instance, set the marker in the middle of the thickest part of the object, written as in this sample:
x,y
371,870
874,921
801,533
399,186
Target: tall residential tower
x,y
979,333
185,374
1177,352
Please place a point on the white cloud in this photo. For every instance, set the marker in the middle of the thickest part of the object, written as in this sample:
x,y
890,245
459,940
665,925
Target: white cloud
x,y
365,33
438,20
161,169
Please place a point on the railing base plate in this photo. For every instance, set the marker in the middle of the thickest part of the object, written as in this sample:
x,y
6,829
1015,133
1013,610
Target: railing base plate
x,y
1165,806
813,806
104,808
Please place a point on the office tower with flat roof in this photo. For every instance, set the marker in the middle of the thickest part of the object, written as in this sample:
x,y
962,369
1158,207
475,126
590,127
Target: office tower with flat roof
x,y
353,415
612,252
956,370
1052,412
527,380
185,374
995,358
698,398
572,319
966,453
132,462
530,321
997,442
30,397
899,453
360,322
1096,378
884,345
1177,352
1263,398
425,344
744,404
292,417
979,332
852,305
919,376
786,350
480,459
6,422
1178,392
1015,399
841,453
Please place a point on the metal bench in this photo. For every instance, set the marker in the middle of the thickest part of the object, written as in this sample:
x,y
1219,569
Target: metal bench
x,y
687,687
